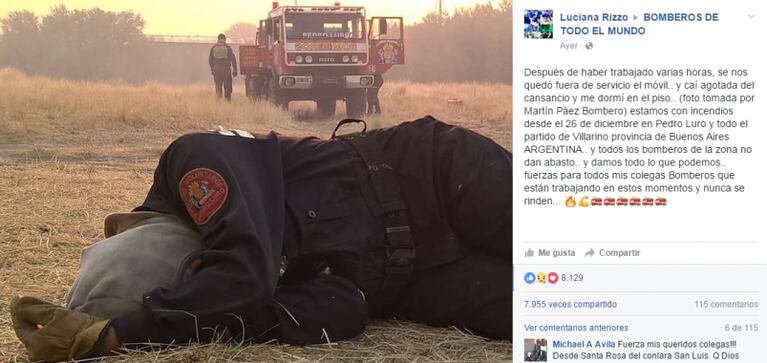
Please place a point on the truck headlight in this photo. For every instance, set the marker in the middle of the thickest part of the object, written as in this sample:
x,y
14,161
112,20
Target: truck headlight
x,y
366,81
299,59
289,81
355,59
345,59
309,59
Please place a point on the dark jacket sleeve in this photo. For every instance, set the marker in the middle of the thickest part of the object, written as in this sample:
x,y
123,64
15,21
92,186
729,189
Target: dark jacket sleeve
x,y
232,59
210,58
234,287
378,81
242,234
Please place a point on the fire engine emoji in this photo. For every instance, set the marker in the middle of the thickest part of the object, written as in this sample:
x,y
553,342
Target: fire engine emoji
x,y
622,202
596,201
660,201
609,202
647,201
635,201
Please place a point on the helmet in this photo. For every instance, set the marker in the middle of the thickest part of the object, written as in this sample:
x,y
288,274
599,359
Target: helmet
x,y
221,36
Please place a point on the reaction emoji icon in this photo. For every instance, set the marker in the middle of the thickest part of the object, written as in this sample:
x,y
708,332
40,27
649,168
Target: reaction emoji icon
x,y
553,277
570,202
530,278
584,202
541,277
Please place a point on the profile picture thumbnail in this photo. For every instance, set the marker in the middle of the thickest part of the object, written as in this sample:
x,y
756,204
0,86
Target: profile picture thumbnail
x,y
539,24
536,350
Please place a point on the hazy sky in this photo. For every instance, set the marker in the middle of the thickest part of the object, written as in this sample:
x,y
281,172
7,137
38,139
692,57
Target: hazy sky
x,y
210,17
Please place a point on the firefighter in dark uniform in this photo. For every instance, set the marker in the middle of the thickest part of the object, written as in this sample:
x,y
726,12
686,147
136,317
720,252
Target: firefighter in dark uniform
x,y
223,66
411,221
372,94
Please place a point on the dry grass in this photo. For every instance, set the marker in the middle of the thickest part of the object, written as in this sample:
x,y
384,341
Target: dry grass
x,y
72,152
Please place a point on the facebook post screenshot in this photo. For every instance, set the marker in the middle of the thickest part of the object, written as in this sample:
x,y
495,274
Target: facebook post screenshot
x,y
639,181
241,181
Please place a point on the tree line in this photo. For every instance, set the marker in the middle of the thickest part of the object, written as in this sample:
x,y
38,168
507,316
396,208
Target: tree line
x,y
472,44
75,44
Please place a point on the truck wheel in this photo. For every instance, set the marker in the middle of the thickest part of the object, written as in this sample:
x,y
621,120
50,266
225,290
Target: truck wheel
x,y
326,107
277,98
355,104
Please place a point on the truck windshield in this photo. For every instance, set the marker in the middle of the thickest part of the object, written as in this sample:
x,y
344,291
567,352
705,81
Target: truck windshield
x,y
325,26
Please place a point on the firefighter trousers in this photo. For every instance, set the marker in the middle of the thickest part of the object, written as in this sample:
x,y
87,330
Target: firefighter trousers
x,y
473,293
374,106
454,182
223,83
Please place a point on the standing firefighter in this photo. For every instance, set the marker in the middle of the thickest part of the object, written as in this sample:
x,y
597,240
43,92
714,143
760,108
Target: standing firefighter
x,y
222,61
372,94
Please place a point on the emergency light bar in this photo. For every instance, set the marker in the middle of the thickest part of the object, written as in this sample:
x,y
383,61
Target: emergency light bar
x,y
323,9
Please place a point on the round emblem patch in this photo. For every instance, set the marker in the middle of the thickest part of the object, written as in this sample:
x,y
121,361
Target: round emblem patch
x,y
204,192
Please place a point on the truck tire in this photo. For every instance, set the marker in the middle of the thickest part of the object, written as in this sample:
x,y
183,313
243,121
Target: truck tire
x,y
276,96
326,107
355,104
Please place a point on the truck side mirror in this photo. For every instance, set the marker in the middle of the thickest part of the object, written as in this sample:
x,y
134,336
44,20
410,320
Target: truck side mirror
x,y
383,27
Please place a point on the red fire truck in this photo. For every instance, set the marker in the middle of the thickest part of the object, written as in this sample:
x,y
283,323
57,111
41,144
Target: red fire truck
x,y
321,54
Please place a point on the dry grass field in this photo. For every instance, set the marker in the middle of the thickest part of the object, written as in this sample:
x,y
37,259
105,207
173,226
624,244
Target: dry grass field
x,y
71,152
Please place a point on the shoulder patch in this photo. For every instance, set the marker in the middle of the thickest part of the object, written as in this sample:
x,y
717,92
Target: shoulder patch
x,y
203,191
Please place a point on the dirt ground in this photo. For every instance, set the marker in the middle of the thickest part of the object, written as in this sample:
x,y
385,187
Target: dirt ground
x,y
71,153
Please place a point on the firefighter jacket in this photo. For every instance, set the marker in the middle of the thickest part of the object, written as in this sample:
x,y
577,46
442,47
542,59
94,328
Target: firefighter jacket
x,y
221,58
256,199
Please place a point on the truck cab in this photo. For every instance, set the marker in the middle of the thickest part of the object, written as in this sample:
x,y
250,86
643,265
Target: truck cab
x,y
322,54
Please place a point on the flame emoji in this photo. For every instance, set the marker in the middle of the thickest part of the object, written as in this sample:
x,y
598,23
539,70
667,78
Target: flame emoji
x,y
570,202
584,202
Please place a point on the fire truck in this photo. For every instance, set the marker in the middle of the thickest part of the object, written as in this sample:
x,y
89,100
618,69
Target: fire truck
x,y
321,54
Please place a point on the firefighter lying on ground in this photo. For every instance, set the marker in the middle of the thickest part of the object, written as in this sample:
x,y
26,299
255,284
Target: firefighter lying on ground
x,y
412,221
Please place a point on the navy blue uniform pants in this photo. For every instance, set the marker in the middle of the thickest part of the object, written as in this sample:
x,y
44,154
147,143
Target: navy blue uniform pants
x,y
223,82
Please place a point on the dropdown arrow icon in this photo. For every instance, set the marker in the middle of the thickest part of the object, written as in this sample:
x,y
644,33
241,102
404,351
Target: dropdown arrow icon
x,y
751,16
